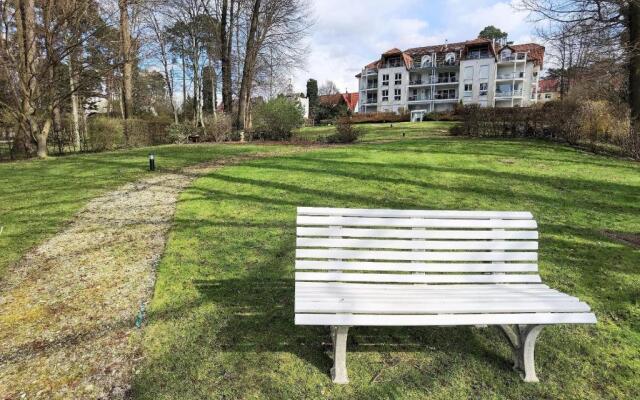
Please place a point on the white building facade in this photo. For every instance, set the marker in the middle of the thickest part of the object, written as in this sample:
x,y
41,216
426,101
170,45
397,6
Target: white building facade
x,y
436,78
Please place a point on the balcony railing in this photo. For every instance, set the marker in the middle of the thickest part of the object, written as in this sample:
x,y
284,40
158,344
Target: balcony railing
x,y
511,75
420,98
432,80
446,96
450,79
371,100
474,55
514,57
370,71
510,93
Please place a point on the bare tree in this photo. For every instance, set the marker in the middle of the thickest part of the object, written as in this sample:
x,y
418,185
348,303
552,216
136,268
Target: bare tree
x,y
327,88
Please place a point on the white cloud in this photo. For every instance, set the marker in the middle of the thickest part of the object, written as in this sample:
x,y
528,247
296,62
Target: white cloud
x,y
349,34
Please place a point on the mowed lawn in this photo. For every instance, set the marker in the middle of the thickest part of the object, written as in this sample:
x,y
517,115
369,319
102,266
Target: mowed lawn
x,y
381,132
221,321
38,196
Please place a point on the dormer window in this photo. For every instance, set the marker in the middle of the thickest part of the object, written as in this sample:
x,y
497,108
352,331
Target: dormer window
x,y
425,61
450,58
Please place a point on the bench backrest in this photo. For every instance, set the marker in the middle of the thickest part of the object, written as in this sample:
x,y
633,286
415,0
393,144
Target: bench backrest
x,y
416,246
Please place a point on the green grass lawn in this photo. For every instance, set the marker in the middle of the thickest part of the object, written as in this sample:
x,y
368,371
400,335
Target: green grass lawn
x,y
221,320
382,132
38,196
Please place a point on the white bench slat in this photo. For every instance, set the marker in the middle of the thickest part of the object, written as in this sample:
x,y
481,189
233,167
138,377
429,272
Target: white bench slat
x,y
414,267
419,223
390,286
440,307
426,296
414,278
362,212
417,234
334,291
417,256
417,244
444,319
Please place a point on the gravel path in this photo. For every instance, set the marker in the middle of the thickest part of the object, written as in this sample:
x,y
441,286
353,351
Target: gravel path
x,y
68,308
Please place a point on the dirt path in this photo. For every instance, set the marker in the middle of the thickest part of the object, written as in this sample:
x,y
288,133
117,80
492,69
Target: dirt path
x,y
68,308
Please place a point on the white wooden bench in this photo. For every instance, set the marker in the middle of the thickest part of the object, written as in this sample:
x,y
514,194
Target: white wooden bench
x,y
359,267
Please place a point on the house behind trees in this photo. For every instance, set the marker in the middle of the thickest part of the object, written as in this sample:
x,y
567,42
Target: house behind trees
x,y
436,78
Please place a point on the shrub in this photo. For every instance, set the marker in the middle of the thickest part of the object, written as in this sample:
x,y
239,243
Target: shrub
x,y
276,119
179,133
380,117
218,128
104,133
346,132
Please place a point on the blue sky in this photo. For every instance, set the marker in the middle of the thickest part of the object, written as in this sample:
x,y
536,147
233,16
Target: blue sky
x,y
348,34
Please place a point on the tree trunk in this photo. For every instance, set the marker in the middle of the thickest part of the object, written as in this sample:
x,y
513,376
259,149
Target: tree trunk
x,y
250,56
75,108
226,40
634,65
28,77
127,64
214,96
184,83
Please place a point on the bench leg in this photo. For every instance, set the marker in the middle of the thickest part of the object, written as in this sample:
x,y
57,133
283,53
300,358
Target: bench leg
x,y
523,341
339,339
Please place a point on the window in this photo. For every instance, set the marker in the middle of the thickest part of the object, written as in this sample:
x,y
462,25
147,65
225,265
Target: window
x,y
447,77
484,72
484,88
385,80
468,89
445,94
385,95
398,80
425,61
397,94
468,72
547,95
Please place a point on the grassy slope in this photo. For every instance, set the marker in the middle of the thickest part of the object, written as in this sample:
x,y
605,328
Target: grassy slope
x,y
221,321
37,197
383,132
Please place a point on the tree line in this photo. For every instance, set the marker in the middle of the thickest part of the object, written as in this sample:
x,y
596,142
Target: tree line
x,y
60,58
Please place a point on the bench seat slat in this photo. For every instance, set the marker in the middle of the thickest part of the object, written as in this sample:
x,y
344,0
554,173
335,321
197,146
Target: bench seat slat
x,y
419,222
444,319
414,267
390,286
363,212
417,244
437,306
414,278
418,255
417,234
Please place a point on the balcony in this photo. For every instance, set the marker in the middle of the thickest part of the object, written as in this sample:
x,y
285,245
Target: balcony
x,y
419,98
450,79
510,75
372,86
445,96
478,54
509,94
371,100
371,71
513,57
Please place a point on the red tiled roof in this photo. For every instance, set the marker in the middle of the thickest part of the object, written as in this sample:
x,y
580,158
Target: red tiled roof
x,y
536,52
392,52
548,85
349,99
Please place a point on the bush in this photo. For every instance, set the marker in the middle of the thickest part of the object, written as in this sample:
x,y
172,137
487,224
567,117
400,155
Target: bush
x,y
218,128
380,117
345,132
104,133
178,133
596,124
276,119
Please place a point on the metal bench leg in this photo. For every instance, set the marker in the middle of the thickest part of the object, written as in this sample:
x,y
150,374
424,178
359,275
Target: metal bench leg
x,y
339,339
523,341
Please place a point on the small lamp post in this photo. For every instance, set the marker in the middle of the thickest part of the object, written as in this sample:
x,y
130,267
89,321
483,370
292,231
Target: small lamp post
x,y
152,162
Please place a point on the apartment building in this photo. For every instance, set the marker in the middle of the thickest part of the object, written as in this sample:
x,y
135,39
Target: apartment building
x,y
436,78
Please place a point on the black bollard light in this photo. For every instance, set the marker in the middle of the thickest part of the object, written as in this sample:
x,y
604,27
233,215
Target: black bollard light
x,y
152,162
